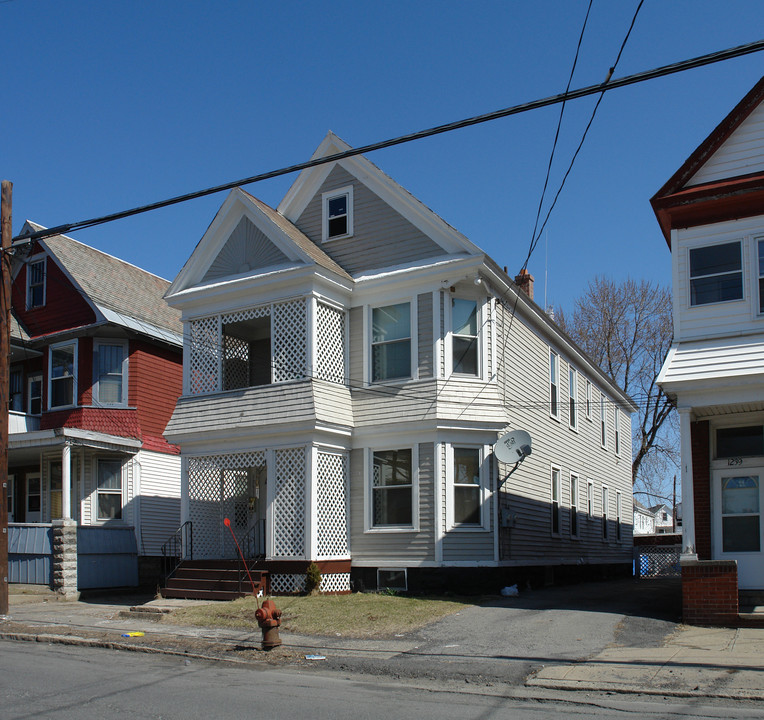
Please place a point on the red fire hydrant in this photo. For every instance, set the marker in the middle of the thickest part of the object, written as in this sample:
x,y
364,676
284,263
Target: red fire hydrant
x,y
269,619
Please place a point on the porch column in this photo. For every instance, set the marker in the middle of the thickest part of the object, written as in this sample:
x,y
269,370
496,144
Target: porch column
x,y
66,482
688,499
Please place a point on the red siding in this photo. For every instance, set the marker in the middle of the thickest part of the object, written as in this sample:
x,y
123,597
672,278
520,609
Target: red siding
x,y
64,308
122,422
156,382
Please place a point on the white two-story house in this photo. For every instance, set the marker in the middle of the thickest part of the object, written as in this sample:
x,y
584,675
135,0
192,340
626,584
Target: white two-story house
x,y
350,361
711,212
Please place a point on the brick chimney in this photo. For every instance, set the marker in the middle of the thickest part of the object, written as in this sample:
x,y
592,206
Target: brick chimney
x,y
525,282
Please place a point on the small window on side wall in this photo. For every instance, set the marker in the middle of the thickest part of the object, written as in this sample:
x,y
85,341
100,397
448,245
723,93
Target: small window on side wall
x,y
36,284
464,320
337,213
109,503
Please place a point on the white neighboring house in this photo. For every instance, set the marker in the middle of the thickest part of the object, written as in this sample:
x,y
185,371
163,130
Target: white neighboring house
x,y
350,361
711,212
644,519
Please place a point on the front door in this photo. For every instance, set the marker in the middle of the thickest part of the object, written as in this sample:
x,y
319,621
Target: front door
x,y
33,499
738,527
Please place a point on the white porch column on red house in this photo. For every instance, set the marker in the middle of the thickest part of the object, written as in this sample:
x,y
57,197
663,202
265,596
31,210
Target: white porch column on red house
x,y
688,500
66,482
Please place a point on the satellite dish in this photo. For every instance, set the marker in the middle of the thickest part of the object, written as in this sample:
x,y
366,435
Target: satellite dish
x,y
513,447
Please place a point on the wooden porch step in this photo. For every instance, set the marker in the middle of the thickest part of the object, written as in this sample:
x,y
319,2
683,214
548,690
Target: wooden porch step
x,y
213,580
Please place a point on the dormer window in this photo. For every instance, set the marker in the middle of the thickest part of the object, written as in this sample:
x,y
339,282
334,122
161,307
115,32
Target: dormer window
x,y
338,213
716,274
36,284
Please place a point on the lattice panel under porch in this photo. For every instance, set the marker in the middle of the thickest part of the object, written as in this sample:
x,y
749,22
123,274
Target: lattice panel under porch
x,y
331,506
335,583
290,341
204,355
282,584
330,344
289,504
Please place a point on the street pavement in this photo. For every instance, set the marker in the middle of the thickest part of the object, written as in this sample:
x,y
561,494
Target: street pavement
x,y
620,636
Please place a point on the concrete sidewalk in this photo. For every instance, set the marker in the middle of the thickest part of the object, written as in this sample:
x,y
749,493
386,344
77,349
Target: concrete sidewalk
x,y
692,661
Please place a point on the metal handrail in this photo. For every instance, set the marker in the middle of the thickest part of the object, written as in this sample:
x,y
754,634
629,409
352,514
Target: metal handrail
x,y
253,549
178,547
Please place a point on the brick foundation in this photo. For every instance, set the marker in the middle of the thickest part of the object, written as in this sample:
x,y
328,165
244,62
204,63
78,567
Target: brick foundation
x,y
709,592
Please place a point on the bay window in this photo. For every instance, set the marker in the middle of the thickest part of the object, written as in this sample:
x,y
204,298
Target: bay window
x,y
464,338
716,274
391,342
110,370
63,371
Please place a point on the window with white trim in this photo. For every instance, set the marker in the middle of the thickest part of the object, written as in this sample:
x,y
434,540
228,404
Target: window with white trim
x,y
760,251
618,531
467,483
110,372
603,422
337,213
16,398
590,500
464,337
716,273
588,399
605,509
572,398
34,394
391,342
392,488
574,533
36,284
62,383
554,383
617,431
555,505
109,489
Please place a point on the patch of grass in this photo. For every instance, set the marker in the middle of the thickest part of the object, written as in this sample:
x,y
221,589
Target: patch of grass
x,y
359,615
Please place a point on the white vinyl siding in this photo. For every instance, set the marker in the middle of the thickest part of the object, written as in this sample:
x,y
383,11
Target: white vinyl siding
x,y
159,501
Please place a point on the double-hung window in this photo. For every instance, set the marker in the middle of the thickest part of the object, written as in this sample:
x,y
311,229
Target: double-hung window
x,y
337,213
34,394
603,422
760,250
392,488
573,505
617,431
554,383
555,500
716,273
464,338
588,399
110,370
605,507
109,491
16,399
36,284
573,398
391,342
63,373
467,487
618,531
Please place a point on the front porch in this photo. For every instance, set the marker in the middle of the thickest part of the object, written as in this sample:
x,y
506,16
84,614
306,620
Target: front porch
x,y
279,508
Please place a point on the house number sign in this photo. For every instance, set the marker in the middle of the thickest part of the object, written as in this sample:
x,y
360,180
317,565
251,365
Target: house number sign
x,y
734,461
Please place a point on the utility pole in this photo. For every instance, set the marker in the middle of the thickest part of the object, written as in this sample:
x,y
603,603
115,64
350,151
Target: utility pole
x,y
5,357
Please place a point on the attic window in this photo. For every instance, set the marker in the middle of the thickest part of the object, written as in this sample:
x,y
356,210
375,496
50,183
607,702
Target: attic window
x,y
337,213
36,284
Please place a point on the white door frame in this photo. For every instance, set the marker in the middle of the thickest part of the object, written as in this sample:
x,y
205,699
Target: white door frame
x,y
750,564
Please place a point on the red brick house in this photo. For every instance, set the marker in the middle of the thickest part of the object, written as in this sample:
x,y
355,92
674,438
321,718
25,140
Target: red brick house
x,y
711,212
96,368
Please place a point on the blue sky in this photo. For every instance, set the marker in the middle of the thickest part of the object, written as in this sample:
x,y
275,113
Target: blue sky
x,y
114,104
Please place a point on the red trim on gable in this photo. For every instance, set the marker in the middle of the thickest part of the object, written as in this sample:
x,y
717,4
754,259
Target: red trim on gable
x,y
713,202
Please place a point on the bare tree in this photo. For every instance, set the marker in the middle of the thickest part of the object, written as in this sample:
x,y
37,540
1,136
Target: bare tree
x,y
627,330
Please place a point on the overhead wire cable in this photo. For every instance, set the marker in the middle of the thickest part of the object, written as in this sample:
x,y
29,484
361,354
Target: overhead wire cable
x,y
609,84
605,86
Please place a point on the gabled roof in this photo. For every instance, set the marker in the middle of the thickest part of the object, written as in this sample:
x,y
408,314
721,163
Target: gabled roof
x,y
291,242
414,210
120,292
678,204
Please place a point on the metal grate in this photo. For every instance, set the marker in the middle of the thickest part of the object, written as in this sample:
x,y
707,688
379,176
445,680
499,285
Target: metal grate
x,y
290,341
217,487
330,344
204,355
337,582
289,504
658,561
331,506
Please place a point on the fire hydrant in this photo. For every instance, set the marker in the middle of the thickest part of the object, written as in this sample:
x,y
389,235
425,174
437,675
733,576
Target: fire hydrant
x,y
269,619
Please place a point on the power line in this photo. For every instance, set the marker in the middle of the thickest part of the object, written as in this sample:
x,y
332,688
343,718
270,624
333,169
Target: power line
x,y
609,84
